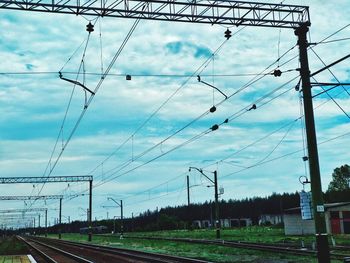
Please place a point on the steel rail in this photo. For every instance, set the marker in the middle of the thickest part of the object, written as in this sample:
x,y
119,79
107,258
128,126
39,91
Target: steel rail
x,y
129,253
43,254
60,251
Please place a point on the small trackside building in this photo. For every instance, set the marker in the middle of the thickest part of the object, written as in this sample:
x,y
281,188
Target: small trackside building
x,y
337,220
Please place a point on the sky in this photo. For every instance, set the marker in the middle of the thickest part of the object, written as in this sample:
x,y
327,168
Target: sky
x,y
139,137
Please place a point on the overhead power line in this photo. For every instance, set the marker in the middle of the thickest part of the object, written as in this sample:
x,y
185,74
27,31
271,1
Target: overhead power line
x,y
114,175
133,27
284,155
262,74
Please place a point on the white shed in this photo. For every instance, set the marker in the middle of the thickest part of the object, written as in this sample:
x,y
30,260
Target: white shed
x,y
337,220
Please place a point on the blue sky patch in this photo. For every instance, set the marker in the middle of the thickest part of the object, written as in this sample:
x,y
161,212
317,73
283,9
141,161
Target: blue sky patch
x,y
179,47
30,66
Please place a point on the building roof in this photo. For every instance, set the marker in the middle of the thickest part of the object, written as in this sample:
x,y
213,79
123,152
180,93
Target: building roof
x,y
326,206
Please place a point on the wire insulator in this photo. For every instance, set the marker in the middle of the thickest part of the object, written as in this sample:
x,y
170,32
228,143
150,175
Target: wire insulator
x,y
212,109
277,73
90,27
215,127
228,34
253,107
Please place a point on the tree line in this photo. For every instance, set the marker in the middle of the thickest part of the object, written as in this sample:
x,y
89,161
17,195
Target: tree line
x,y
181,217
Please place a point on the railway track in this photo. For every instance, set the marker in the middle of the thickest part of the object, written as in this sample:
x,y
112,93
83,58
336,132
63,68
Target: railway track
x,y
54,250
51,254
249,245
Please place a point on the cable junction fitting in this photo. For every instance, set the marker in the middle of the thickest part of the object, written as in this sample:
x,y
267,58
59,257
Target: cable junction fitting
x,y
201,81
76,83
253,107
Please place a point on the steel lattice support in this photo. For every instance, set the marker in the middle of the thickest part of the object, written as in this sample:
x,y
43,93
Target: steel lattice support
x,y
9,211
207,12
51,179
9,217
26,197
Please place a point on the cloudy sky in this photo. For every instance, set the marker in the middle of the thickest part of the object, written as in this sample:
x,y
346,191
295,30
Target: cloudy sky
x,y
138,137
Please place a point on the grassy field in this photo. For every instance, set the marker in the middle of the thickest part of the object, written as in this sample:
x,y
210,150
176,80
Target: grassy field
x,y
207,252
14,259
249,234
11,246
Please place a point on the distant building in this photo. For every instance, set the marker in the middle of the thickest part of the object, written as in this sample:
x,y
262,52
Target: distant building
x,y
240,222
270,219
197,224
337,220
225,223
206,223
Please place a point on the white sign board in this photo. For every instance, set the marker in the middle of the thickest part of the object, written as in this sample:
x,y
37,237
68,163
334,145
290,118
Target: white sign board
x,y
320,208
306,205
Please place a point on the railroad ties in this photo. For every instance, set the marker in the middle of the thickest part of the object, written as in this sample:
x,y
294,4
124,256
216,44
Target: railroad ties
x,y
60,251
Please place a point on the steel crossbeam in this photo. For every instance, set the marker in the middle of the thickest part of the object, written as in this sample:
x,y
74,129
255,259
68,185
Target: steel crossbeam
x,y
207,12
9,211
51,179
27,197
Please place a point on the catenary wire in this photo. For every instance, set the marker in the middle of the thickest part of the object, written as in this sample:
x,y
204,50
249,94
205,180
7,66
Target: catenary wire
x,y
329,70
131,137
92,95
252,81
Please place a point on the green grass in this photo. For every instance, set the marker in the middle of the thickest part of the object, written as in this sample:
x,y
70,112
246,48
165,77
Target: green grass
x,y
14,259
12,246
206,252
249,234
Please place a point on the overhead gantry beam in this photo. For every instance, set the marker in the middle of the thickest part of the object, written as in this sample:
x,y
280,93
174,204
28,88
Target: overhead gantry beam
x,y
206,12
13,216
51,179
9,211
29,197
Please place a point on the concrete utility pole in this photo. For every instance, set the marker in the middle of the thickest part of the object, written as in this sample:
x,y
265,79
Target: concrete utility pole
x,y
215,184
46,223
60,220
188,200
315,178
119,204
217,218
188,190
39,224
90,210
